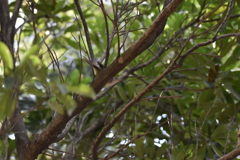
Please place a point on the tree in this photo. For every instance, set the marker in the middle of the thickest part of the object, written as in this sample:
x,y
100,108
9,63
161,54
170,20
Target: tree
x,y
177,69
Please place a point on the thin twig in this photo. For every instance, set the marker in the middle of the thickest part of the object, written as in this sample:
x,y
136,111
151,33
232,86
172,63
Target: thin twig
x,y
161,97
107,32
85,26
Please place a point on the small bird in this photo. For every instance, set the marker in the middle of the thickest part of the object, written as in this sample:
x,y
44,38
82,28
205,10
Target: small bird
x,y
98,68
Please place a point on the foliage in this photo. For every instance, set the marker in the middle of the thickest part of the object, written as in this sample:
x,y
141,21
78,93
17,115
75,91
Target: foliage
x,y
192,113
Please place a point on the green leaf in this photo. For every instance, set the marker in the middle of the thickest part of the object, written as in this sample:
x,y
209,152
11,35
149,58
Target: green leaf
x,y
72,43
56,106
179,153
210,110
122,94
147,104
68,102
233,90
33,50
74,77
201,152
8,102
37,68
232,61
139,148
59,5
32,89
82,89
206,95
220,132
73,28
217,151
6,58
227,46
150,147
221,142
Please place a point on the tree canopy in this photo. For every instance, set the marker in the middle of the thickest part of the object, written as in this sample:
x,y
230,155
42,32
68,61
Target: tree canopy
x,y
133,79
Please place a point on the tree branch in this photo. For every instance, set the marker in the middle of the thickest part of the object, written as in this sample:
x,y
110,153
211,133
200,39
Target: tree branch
x,y
19,130
7,33
204,44
231,155
15,13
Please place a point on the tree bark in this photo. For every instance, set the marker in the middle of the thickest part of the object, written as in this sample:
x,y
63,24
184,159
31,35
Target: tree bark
x,y
7,33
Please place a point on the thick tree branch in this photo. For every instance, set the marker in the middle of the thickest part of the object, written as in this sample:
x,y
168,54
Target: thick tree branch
x,y
15,13
5,18
8,25
7,33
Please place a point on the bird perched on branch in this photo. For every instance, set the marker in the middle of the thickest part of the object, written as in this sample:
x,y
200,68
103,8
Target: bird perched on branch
x,y
97,68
